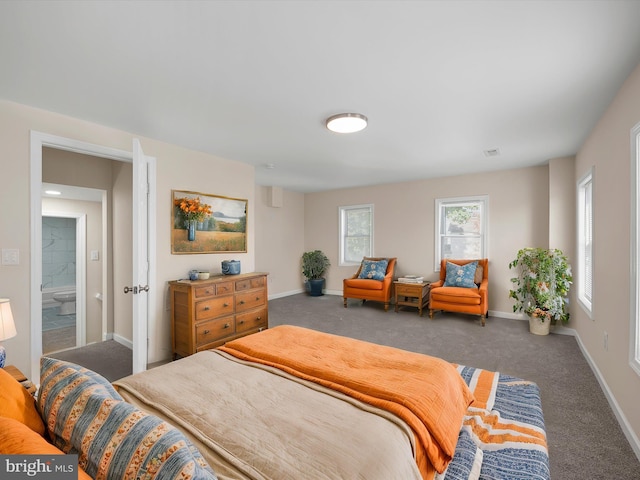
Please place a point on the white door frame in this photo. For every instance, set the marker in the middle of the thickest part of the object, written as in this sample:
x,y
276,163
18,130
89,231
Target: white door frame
x,y
81,271
37,142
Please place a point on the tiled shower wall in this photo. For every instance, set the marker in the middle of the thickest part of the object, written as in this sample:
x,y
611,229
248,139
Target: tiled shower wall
x,y
58,252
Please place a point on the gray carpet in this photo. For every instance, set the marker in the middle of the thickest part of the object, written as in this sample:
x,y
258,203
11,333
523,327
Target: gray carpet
x,y
110,359
585,440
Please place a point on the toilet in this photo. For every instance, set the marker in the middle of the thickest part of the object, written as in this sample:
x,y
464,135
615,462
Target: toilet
x,y
67,300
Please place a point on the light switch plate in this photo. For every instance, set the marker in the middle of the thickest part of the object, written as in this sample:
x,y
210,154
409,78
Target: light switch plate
x,y
95,255
10,256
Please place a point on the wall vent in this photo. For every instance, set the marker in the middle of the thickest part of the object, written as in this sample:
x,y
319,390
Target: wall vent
x,y
492,152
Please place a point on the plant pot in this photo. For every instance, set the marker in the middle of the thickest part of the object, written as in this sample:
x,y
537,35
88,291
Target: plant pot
x,y
315,287
539,327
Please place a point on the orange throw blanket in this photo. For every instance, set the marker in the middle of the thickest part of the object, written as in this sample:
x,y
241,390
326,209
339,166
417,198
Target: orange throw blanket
x,y
426,392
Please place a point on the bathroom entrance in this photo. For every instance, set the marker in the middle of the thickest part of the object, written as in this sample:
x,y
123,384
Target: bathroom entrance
x,y
64,270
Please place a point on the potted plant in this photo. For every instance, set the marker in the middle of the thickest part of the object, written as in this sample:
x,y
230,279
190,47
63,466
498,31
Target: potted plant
x,y
542,287
314,264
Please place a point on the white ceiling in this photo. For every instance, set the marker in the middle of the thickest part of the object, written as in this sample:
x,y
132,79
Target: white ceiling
x,y
254,81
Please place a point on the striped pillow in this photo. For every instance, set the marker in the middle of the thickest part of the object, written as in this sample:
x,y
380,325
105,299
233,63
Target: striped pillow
x,y
113,439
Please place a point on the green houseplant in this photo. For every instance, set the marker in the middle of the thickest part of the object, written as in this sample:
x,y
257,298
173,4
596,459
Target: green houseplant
x,y
541,287
314,265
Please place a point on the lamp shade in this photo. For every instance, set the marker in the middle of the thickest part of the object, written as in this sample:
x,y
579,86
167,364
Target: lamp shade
x,y
347,122
7,325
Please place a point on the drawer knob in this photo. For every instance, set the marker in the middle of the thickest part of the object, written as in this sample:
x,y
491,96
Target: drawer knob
x,y
258,318
207,332
207,308
241,322
226,325
257,298
225,305
241,302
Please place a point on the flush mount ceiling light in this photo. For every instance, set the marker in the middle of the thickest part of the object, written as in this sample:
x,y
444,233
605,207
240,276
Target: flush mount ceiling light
x,y
347,122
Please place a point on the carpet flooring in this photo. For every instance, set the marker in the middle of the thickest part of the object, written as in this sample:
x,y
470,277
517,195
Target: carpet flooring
x,y
110,359
584,438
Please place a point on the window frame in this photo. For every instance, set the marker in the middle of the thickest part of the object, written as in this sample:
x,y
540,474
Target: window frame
x,y
634,281
585,299
484,223
342,215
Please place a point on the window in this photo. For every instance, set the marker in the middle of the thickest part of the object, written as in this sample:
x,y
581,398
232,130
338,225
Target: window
x,y
356,233
585,244
634,347
461,228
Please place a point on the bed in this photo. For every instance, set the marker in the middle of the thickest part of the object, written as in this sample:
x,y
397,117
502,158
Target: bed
x,y
292,403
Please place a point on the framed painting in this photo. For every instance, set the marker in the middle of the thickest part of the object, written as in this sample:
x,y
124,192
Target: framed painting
x,y
206,223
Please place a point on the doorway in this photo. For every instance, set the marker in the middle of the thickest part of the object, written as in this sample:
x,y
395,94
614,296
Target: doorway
x,y
63,283
142,167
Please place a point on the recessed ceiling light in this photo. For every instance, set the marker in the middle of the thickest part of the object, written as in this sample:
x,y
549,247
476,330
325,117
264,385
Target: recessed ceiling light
x,y
347,122
270,166
52,192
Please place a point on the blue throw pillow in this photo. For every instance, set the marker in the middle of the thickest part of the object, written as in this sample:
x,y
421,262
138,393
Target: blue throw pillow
x,y
460,275
374,269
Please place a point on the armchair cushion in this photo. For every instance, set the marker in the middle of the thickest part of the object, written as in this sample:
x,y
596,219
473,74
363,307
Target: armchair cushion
x,y
374,269
461,275
364,283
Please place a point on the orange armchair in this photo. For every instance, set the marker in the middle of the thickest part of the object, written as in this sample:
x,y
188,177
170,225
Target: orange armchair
x,y
366,289
459,299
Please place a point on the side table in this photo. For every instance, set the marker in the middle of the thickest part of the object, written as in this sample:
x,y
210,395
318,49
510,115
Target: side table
x,y
20,377
412,295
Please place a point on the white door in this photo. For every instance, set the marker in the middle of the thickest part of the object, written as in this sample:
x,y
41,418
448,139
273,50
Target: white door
x,y
140,256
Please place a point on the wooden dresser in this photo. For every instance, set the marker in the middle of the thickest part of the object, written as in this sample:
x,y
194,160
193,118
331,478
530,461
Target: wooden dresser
x,y
208,313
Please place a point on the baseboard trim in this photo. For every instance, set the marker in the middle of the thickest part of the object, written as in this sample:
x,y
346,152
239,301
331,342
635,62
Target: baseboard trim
x,y
632,438
285,294
123,341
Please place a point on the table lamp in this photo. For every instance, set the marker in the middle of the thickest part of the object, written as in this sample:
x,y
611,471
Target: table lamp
x,y
7,327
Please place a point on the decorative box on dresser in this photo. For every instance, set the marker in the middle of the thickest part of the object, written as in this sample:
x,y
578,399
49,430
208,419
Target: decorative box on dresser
x,y
208,313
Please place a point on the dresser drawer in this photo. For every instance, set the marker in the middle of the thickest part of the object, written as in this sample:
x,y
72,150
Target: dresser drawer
x,y
213,330
249,283
207,291
251,320
248,300
411,290
224,288
214,307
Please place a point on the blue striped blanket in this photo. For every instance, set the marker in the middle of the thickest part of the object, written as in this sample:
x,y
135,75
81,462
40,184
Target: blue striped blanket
x,y
502,435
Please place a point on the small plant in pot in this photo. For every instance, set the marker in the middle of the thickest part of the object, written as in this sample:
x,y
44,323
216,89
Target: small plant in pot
x,y
542,287
314,265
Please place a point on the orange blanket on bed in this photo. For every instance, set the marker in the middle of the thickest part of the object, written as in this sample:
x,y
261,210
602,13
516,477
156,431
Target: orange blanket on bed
x,y
426,392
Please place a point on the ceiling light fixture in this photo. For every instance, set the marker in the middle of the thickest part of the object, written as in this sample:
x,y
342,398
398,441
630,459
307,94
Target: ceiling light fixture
x,y
347,122
52,192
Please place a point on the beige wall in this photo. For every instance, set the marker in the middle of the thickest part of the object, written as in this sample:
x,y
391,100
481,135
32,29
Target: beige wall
x,y
404,219
607,150
177,168
120,240
280,241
